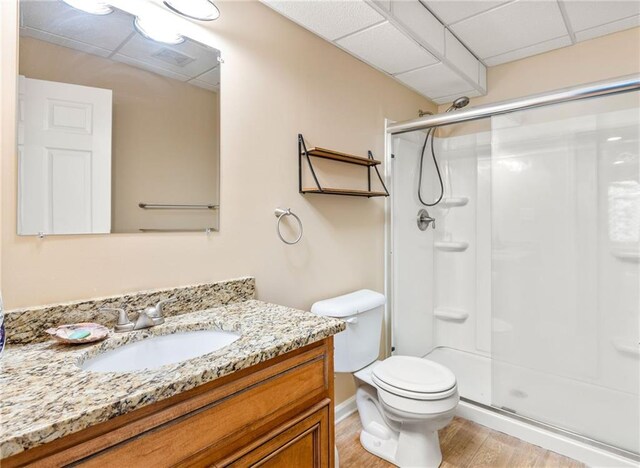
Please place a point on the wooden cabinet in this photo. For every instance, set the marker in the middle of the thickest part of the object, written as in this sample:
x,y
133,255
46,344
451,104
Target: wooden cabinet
x,y
302,444
275,414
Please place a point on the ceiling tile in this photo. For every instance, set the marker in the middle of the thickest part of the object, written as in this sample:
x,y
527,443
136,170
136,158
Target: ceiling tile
x,y
587,14
149,67
385,47
450,12
64,42
620,25
104,32
512,26
528,51
435,81
186,59
420,22
212,76
330,19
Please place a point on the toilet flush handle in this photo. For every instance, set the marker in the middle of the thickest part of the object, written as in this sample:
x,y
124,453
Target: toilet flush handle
x,y
352,320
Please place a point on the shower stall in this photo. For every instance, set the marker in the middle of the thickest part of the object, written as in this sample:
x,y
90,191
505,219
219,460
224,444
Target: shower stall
x,y
528,286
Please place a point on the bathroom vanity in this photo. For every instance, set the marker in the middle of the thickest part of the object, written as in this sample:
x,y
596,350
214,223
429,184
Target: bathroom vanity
x,y
278,413
266,398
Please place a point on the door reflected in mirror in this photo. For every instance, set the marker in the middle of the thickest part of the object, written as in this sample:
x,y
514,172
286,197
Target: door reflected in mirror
x,y
117,132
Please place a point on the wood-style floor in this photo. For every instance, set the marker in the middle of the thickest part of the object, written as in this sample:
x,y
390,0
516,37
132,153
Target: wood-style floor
x,y
464,444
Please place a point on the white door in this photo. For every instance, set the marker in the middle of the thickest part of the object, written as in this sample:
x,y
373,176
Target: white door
x,y
64,151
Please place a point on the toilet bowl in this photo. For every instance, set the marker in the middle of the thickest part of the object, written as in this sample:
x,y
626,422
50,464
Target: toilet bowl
x,y
403,401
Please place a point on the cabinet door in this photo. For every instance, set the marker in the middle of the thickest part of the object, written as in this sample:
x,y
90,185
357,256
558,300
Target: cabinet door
x,y
303,445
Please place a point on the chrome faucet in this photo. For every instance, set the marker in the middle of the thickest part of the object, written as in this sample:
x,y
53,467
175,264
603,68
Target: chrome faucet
x,y
147,318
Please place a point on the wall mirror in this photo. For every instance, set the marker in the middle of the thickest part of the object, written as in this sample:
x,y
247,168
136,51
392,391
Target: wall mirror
x,y
117,132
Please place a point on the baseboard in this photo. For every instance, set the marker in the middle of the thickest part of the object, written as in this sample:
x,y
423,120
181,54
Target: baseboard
x,y
583,452
346,409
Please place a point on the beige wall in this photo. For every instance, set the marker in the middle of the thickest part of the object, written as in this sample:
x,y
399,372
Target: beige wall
x,y
597,59
278,80
165,135
602,58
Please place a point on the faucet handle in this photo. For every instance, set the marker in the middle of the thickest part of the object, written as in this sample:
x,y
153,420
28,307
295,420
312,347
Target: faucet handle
x,y
424,220
124,324
159,308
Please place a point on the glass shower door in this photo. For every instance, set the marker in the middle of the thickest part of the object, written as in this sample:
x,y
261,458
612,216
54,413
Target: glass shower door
x,y
565,209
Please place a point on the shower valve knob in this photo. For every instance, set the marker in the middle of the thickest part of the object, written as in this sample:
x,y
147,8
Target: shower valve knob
x,y
424,220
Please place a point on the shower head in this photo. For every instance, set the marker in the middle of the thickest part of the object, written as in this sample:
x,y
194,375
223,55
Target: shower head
x,y
461,102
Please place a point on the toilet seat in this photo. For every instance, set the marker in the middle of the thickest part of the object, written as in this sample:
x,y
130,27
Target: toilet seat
x,y
414,378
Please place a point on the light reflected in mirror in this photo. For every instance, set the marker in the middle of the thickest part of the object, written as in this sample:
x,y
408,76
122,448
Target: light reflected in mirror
x,y
116,132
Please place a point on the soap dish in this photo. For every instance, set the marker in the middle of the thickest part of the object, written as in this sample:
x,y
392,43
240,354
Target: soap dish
x,y
79,333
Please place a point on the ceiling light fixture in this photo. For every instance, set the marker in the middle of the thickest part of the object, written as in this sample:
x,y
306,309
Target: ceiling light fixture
x,y
95,7
615,138
153,29
202,10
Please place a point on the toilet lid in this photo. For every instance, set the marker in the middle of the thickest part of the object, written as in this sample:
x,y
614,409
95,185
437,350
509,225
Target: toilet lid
x,y
414,374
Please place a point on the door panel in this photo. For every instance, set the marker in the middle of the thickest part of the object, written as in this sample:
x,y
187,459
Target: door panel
x,y
70,190
302,452
64,158
69,116
304,445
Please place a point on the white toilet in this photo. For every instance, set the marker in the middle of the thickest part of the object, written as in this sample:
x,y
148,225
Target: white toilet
x,y
403,401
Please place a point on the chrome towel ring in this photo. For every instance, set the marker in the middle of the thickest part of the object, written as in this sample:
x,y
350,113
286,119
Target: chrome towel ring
x,y
281,214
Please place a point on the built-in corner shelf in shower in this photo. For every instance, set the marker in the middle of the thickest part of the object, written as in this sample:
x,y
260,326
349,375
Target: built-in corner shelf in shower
x,y
451,246
454,201
626,254
450,315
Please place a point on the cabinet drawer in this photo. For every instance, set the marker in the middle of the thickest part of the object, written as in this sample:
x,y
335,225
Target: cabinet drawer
x,y
211,425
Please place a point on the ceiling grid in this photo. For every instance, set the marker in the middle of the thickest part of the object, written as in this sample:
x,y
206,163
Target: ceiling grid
x,y
113,36
441,48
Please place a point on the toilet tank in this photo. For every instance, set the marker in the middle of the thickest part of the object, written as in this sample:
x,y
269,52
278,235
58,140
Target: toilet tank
x,y
358,345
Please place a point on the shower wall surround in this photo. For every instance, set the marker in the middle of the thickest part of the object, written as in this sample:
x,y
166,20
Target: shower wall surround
x,y
541,307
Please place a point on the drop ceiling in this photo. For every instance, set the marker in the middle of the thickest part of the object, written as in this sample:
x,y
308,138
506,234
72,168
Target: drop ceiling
x,y
522,28
441,48
113,36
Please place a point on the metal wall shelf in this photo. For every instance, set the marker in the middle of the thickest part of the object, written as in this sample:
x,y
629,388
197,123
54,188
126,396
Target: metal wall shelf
x,y
350,192
323,153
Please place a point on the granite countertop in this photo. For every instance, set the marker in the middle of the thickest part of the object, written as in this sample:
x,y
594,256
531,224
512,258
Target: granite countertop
x,y
46,396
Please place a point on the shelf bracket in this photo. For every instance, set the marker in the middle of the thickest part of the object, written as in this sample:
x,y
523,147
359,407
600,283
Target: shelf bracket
x,y
378,174
302,150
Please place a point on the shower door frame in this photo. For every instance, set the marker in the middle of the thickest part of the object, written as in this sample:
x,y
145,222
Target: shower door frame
x,y
624,84
551,437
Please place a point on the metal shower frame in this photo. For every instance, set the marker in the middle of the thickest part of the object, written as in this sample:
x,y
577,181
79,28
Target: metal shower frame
x,y
601,88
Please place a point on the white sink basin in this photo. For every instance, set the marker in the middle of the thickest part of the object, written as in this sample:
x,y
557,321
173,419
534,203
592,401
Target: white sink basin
x,y
151,353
